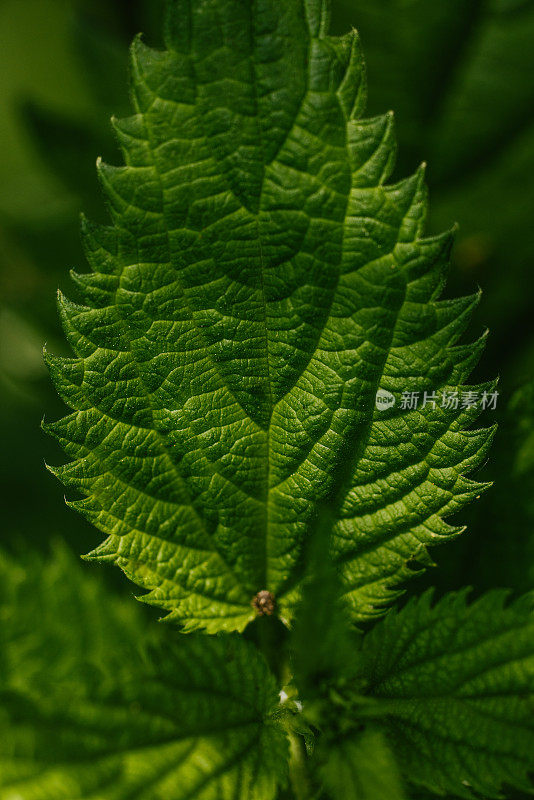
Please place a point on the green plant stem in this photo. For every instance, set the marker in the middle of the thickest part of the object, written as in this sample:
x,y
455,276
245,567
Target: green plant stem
x,y
298,769
270,637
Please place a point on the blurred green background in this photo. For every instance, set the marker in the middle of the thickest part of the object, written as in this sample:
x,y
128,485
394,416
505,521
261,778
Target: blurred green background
x,y
458,74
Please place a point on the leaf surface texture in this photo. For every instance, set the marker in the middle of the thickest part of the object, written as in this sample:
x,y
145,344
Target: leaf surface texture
x,y
193,718
456,683
259,283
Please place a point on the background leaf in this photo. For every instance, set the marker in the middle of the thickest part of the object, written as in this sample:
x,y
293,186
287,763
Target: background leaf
x,y
86,711
56,622
456,684
362,768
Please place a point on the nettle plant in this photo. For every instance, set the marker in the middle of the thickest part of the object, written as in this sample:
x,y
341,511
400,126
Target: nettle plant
x,y
259,284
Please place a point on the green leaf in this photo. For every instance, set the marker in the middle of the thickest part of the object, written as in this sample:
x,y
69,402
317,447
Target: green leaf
x,y
194,717
55,621
259,284
456,682
362,768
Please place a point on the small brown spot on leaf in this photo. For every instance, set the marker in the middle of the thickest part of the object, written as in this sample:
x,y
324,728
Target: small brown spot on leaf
x,y
264,603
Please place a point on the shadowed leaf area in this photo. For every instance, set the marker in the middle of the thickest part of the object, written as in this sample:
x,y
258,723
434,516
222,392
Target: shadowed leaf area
x,y
92,707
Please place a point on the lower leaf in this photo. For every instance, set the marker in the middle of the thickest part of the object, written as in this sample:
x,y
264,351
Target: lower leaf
x,y
456,685
196,717
362,768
